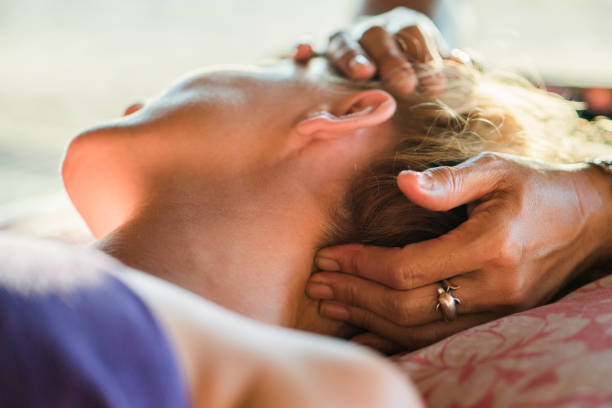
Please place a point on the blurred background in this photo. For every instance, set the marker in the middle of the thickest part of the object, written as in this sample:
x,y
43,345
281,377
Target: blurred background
x,y
66,64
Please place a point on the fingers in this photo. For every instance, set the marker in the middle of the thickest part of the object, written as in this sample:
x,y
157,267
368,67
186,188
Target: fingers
x,y
393,68
415,265
414,45
426,59
348,57
406,59
404,308
409,338
377,343
410,58
444,188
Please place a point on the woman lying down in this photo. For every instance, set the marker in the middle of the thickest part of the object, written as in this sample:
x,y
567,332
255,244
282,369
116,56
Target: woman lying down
x,y
228,183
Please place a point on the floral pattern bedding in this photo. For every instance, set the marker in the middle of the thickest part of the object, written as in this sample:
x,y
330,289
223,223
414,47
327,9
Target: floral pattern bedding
x,y
558,355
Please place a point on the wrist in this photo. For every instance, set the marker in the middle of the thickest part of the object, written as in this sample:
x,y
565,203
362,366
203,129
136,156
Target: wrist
x,y
599,182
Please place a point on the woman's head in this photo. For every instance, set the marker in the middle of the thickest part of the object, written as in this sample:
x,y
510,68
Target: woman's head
x,y
279,135
233,171
258,168
260,126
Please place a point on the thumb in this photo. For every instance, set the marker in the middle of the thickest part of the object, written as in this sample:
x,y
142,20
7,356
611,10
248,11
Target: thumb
x,y
444,188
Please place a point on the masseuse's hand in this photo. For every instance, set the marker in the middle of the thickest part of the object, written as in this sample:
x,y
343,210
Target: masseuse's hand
x,y
402,46
531,228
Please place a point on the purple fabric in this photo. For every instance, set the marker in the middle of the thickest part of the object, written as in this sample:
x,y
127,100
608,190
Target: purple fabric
x,y
78,345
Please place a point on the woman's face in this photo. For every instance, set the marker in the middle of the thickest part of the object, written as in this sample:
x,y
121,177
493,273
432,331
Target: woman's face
x,y
260,156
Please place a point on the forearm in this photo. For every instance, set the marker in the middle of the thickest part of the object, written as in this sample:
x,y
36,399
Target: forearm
x,y
595,252
602,182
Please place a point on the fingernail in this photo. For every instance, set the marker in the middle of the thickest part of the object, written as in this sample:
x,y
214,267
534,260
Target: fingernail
x,y
425,181
358,62
334,311
319,291
327,264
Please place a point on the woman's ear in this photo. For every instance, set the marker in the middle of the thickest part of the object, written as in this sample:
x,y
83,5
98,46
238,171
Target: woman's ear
x,y
364,109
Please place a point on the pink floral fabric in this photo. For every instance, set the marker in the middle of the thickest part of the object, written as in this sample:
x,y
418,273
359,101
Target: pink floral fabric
x,y
559,355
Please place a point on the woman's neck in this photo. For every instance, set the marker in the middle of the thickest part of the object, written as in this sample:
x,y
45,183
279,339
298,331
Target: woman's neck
x,y
242,261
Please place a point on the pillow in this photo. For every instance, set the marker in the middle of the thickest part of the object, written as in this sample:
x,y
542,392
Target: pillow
x,y
555,355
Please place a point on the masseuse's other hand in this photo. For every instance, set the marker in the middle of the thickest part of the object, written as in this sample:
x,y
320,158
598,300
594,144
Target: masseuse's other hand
x,y
402,46
531,228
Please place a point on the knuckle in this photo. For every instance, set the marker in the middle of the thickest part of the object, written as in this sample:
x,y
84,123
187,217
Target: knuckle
x,y
445,174
500,166
414,43
401,275
350,294
397,310
508,252
515,294
487,157
357,259
361,318
450,179
391,63
378,43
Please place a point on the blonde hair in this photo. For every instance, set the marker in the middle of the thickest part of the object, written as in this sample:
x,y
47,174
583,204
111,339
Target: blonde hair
x,y
497,112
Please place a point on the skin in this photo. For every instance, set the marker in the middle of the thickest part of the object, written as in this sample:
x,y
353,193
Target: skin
x,y
401,47
396,300
213,188
226,360
224,184
225,368
532,229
